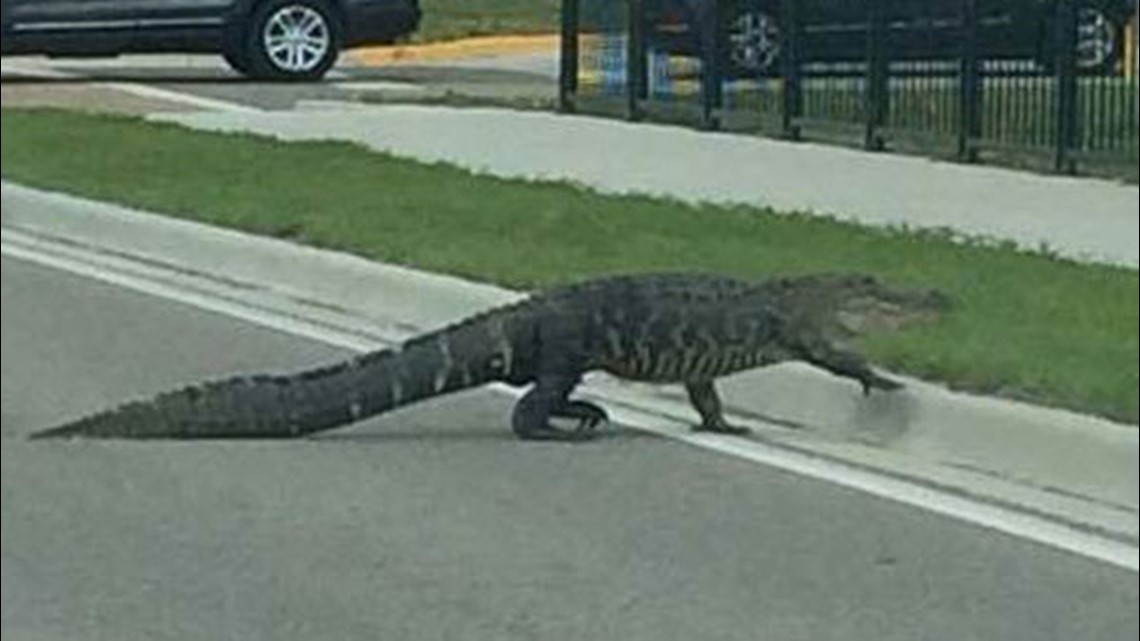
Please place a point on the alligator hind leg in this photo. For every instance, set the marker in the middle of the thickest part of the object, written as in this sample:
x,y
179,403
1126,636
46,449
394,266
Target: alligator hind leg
x,y
705,399
548,399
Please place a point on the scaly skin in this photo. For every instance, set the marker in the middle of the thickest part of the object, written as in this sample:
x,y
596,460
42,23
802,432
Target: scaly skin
x,y
669,328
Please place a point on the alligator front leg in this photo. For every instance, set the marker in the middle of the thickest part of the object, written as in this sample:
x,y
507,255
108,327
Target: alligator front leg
x,y
703,396
548,399
823,354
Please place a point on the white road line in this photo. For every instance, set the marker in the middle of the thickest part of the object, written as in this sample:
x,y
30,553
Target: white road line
x,y
15,245
1018,524
190,100
134,88
993,517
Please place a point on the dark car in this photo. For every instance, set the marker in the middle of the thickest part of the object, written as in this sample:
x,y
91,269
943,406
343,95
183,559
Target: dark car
x,y
269,39
836,30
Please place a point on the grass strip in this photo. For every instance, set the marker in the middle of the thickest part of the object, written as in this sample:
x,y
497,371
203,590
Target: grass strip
x,y
453,19
1027,325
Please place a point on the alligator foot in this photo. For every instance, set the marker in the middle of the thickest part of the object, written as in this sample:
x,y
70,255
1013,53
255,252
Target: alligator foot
x,y
707,403
874,381
546,400
589,416
551,433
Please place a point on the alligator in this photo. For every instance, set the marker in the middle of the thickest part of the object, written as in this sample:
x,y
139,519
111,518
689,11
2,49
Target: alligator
x,y
659,328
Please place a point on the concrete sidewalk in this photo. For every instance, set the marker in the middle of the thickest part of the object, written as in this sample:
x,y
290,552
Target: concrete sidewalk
x,y
1085,219
1063,477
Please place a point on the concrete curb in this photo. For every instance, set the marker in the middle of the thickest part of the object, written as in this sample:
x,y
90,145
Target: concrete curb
x,y
1070,470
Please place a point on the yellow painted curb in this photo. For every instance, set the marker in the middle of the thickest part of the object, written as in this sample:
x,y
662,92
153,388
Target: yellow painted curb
x,y
456,49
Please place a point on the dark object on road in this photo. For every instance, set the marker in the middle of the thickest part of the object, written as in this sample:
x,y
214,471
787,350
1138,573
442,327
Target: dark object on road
x,y
836,30
266,39
673,328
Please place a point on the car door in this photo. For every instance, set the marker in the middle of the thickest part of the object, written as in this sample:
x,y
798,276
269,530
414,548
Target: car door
x,y
46,16
181,14
114,15
923,30
1010,29
832,30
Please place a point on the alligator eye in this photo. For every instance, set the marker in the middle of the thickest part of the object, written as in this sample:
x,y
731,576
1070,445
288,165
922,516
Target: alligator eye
x,y
496,363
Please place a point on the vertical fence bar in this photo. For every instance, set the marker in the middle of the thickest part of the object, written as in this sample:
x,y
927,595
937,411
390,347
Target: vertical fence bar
x,y
1041,95
1130,36
876,97
1064,42
568,62
969,85
1132,65
793,103
712,86
1095,106
637,82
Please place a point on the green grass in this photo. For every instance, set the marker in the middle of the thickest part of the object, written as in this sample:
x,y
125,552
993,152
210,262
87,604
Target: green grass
x,y
1026,325
452,19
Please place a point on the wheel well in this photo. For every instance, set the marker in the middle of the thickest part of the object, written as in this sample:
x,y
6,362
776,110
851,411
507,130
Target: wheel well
x,y
245,9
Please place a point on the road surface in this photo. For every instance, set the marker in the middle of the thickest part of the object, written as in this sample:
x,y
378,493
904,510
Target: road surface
x,y
434,523
184,78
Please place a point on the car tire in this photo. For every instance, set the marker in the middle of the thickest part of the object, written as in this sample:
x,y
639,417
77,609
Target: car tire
x,y
1099,47
1099,41
751,37
292,40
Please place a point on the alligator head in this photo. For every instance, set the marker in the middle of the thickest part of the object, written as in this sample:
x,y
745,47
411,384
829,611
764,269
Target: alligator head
x,y
845,306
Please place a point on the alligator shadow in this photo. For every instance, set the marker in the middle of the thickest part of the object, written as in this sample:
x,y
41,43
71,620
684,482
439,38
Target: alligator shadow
x,y
470,436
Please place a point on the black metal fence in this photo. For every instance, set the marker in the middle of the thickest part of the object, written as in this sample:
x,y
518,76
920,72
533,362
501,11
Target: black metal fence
x,y
1038,82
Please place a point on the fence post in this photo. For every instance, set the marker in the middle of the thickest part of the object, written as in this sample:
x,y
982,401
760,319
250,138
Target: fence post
x,y
1064,43
792,107
877,97
637,82
568,62
712,91
1130,35
969,85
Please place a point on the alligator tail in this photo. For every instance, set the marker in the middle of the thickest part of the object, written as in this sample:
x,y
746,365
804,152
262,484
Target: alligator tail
x,y
286,406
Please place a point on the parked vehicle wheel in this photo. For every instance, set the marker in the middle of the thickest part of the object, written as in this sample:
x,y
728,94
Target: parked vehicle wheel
x,y
1098,41
752,40
292,40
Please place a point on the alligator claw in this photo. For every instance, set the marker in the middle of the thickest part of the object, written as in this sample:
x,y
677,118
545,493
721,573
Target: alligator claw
x,y
589,416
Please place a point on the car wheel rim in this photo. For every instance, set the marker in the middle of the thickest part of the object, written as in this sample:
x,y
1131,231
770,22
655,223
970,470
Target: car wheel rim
x,y
754,41
296,38
1096,39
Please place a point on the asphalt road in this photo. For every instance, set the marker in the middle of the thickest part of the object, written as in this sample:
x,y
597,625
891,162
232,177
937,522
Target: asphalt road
x,y
433,523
